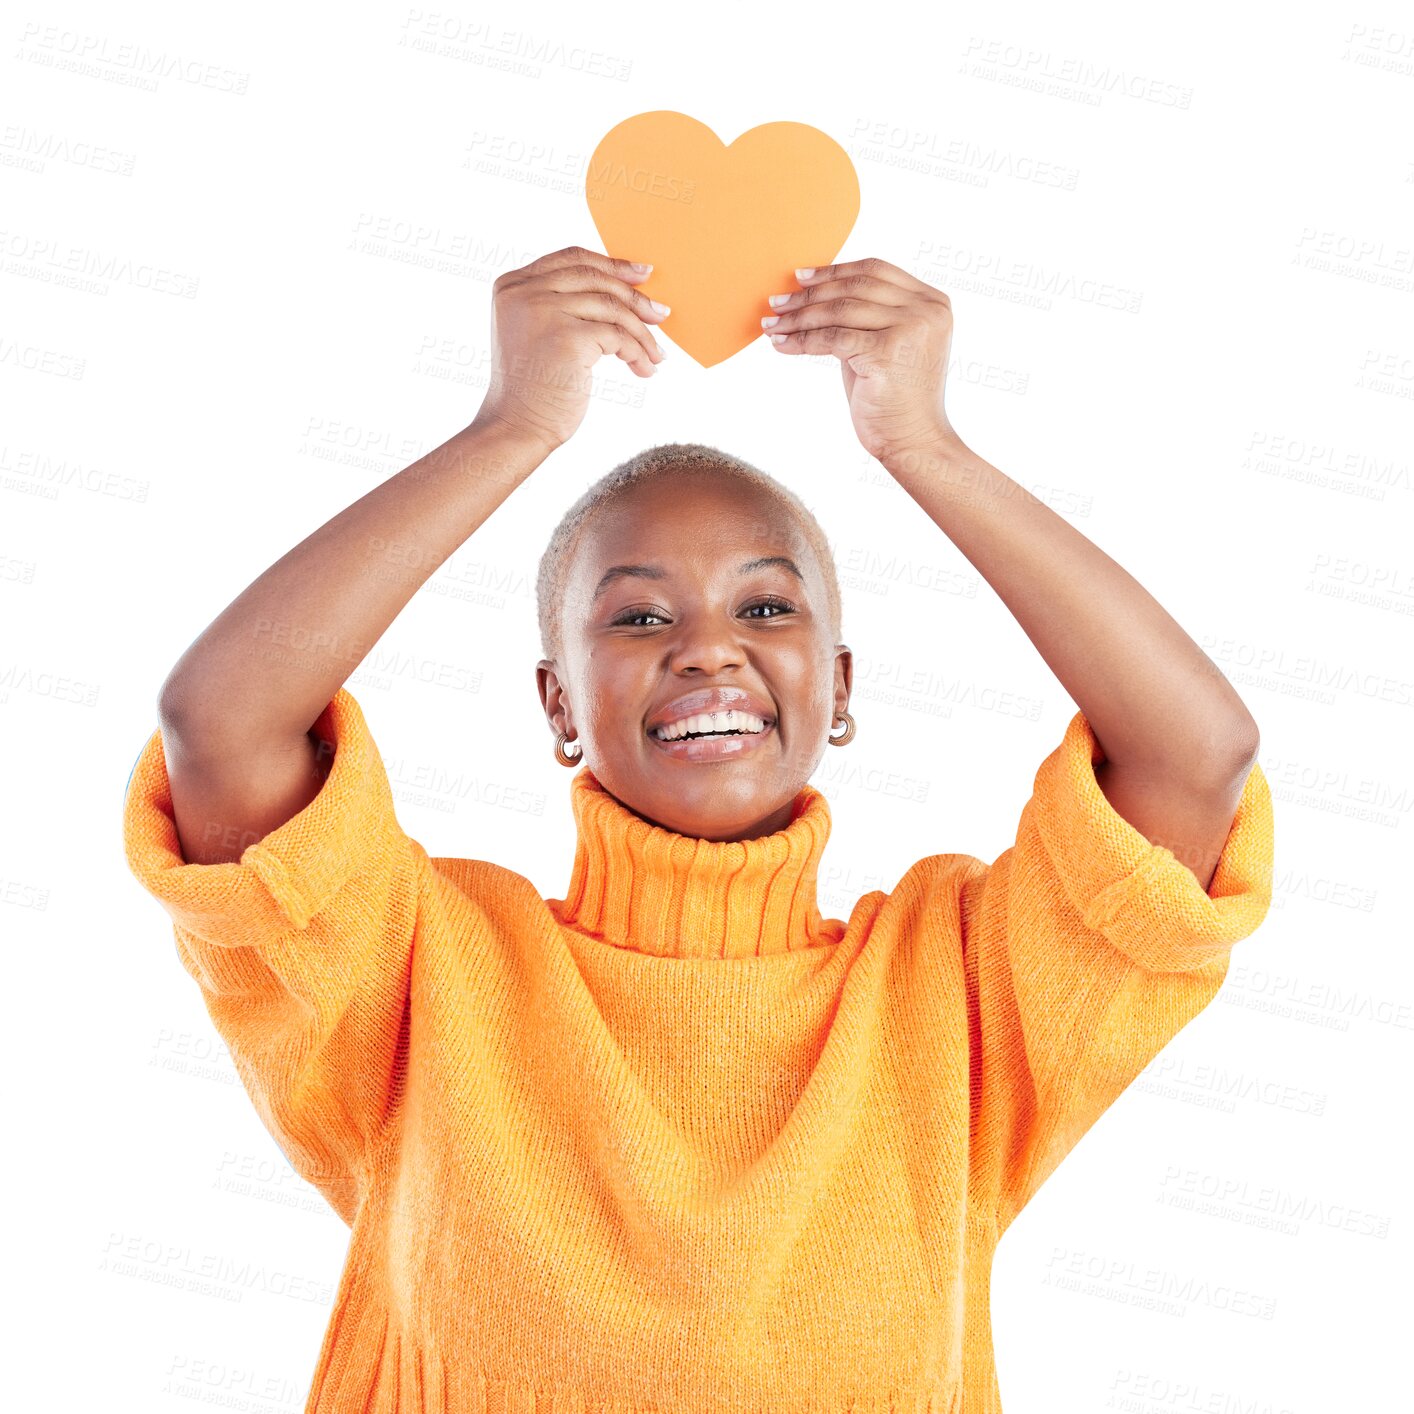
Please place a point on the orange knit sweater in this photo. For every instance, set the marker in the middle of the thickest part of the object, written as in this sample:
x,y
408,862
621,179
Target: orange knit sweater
x,y
676,1142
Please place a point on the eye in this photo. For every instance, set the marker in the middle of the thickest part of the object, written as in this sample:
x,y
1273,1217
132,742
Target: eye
x,y
627,618
781,606
630,618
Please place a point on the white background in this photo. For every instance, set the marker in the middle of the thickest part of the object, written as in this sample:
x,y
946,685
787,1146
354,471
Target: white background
x,y
1238,438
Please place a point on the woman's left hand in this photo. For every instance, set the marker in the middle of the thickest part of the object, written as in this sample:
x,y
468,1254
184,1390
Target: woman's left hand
x,y
891,333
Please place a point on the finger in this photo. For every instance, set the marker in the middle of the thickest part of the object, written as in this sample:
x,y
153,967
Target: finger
x,y
847,313
571,278
573,257
613,340
877,269
864,287
843,297
577,268
829,339
582,255
608,307
601,307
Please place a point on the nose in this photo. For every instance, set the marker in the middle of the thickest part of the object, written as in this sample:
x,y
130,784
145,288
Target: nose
x,y
705,645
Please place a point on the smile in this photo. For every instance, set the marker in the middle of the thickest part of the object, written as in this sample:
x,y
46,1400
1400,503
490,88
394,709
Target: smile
x,y
716,737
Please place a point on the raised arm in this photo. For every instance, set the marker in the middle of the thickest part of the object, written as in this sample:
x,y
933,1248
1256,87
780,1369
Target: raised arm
x,y
273,659
236,710
1177,739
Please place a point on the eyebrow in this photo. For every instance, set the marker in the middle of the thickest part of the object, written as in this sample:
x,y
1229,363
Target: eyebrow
x,y
658,572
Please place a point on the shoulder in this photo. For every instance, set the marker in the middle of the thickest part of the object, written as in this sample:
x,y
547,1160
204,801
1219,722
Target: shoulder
x,y
496,893
939,871
933,894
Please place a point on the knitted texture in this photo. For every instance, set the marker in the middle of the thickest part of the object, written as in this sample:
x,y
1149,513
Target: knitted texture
x,y
675,1142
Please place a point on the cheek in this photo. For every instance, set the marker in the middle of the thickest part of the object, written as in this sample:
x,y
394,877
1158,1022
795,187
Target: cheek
x,y
808,684
617,693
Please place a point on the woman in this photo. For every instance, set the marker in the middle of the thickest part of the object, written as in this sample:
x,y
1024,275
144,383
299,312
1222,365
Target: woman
x,y
676,1141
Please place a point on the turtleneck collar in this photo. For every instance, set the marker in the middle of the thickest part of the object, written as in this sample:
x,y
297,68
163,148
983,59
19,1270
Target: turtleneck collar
x,y
640,886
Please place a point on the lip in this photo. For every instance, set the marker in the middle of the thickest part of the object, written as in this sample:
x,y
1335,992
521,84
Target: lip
x,y
715,748
711,699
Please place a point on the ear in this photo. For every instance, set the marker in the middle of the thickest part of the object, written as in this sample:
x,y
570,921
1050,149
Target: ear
x,y
552,696
844,676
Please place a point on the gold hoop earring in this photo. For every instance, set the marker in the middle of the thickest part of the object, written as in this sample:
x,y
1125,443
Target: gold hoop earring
x,y
560,754
848,733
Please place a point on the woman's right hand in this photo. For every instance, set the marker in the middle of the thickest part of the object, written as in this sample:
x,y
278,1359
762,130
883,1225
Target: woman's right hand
x,y
551,321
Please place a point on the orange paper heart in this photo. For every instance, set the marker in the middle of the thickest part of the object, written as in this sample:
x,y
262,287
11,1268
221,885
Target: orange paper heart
x,y
722,226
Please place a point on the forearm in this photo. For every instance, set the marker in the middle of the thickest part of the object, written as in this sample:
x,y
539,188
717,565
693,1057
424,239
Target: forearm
x,y
271,662
1152,696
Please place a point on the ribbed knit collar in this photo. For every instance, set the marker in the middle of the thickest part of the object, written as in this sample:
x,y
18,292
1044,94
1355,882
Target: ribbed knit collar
x,y
650,889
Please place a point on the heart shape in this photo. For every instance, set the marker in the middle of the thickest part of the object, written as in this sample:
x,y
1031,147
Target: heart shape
x,y
723,226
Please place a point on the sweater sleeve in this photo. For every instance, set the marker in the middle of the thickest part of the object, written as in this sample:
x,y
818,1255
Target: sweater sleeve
x,y
1087,949
301,949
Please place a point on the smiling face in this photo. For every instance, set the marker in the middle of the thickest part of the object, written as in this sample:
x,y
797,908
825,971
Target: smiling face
x,y
695,594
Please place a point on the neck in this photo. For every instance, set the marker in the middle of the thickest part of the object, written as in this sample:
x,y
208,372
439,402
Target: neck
x,y
640,886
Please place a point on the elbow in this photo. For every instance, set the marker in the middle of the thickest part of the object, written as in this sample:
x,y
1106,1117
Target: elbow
x,y
1240,755
1223,758
1248,745
175,715
166,710
169,707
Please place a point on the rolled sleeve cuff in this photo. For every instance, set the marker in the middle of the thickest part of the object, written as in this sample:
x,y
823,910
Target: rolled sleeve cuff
x,y
1136,893
287,878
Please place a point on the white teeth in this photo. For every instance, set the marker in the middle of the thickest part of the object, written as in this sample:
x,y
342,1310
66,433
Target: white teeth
x,y
710,722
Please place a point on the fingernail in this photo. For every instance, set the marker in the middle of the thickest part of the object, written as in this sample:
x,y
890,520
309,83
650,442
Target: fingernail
x,y
776,300
805,272
769,320
661,308
639,265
